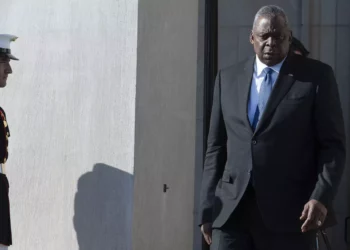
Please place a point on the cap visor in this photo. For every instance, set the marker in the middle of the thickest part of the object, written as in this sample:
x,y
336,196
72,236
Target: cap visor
x,y
12,57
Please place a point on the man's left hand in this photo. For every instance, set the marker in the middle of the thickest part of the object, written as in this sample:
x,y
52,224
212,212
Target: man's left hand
x,y
314,215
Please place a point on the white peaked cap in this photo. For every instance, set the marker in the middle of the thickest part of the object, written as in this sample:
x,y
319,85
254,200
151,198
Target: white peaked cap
x,y
5,41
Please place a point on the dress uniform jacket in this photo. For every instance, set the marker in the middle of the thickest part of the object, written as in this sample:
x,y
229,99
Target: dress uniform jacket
x,y
5,223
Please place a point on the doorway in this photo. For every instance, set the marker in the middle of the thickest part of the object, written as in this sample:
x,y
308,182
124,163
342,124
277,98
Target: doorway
x,y
322,26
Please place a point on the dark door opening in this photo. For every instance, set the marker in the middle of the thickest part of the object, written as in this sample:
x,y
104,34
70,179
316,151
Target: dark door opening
x,y
322,26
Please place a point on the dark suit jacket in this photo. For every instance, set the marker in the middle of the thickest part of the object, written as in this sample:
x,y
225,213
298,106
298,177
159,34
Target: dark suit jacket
x,y
296,153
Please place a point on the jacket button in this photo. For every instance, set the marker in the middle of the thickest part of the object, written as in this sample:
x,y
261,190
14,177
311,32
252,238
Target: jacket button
x,y
254,142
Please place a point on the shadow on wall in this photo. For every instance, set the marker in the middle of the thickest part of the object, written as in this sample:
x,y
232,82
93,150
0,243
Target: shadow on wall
x,y
103,209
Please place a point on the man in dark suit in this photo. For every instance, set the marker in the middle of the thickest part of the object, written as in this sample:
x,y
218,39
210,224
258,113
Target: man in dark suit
x,y
276,146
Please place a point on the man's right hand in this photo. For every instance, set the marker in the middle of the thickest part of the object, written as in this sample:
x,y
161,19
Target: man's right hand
x,y
206,231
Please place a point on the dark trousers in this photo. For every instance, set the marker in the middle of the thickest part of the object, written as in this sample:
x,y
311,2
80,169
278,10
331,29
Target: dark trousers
x,y
245,230
5,224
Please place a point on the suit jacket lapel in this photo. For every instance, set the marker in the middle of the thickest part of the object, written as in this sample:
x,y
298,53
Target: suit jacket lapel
x,y
245,82
282,85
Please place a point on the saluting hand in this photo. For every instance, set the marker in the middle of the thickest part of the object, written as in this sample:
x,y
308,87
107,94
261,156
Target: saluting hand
x,y
314,215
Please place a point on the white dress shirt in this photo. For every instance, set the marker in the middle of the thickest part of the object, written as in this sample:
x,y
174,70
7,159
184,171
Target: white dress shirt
x,y
257,79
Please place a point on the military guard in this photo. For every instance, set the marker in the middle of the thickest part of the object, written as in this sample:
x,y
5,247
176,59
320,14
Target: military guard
x,y
298,48
5,70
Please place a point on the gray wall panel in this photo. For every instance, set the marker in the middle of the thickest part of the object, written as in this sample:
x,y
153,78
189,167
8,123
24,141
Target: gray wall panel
x,y
228,47
165,125
343,7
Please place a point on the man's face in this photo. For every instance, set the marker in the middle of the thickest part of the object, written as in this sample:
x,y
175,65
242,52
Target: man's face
x,y
271,39
5,70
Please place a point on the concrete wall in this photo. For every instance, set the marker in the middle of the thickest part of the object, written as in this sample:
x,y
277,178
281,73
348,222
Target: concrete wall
x,y
324,28
70,106
165,125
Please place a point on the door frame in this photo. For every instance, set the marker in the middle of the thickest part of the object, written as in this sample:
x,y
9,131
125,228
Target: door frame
x,y
210,71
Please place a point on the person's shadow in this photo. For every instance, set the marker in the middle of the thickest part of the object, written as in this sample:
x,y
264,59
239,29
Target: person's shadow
x,y
103,209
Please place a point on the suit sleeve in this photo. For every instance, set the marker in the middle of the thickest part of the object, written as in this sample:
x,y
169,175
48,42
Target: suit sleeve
x,y
215,157
330,135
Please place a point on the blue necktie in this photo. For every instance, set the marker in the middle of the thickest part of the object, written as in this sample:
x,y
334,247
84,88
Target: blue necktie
x,y
264,94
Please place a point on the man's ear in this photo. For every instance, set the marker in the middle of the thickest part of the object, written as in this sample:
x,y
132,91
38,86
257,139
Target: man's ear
x,y
251,38
290,37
